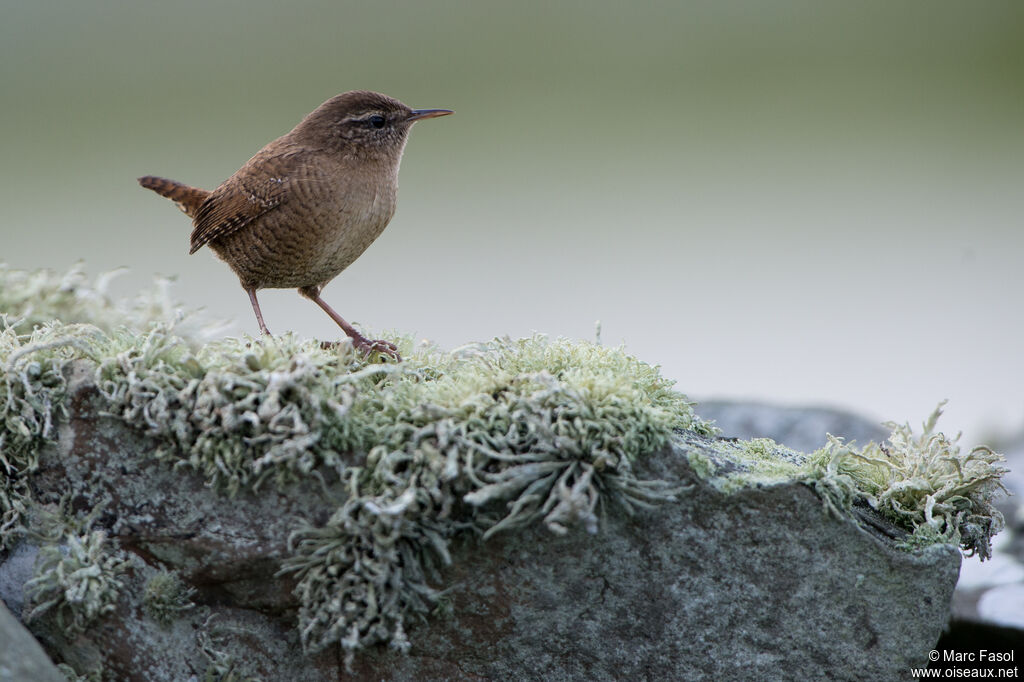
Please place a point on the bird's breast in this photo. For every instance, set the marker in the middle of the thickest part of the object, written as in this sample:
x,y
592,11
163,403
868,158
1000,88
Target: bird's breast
x,y
352,222
325,225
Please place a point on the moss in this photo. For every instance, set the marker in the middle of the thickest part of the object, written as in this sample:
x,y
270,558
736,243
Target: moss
x,y
730,465
166,597
33,298
701,464
77,581
925,484
32,393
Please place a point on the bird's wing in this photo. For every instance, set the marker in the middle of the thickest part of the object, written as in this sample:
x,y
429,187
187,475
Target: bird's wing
x,y
262,185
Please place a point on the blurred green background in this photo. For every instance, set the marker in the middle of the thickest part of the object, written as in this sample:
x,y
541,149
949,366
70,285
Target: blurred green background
x,y
796,201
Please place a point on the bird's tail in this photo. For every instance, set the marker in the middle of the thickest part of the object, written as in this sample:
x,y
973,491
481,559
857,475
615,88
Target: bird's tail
x,y
188,199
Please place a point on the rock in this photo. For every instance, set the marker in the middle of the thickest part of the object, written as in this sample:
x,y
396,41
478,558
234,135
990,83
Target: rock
x,y
21,657
758,583
800,428
228,550
988,603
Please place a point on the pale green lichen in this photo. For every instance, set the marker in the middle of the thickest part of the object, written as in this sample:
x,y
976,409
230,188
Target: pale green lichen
x,y
701,464
730,465
34,298
31,298
925,484
77,581
222,666
34,350
166,597
236,411
32,392
760,461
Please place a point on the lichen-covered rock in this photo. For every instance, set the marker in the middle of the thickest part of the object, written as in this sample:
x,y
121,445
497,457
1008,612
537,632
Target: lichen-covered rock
x,y
759,582
281,510
988,604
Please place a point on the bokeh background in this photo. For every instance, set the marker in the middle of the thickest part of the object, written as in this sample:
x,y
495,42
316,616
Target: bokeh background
x,y
801,202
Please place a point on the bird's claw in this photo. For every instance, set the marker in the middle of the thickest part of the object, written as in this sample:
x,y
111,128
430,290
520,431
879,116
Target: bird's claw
x,y
385,348
381,346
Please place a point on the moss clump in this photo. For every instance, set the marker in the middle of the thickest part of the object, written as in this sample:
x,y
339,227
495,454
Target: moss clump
x,y
35,348
77,580
924,484
166,597
762,460
34,298
32,393
237,411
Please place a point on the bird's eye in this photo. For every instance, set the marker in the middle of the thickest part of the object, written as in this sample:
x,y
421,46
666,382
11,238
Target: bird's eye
x,y
377,121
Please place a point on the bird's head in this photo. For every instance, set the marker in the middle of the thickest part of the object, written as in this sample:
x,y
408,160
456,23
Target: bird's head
x,y
361,121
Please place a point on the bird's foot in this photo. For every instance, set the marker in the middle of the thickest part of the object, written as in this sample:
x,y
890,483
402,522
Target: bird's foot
x,y
380,346
367,347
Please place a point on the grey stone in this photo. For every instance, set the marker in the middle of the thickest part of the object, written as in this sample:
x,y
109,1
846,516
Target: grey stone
x,y
989,593
21,657
16,569
753,585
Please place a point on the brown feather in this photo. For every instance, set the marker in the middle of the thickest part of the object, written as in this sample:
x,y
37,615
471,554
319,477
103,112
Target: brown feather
x,y
188,199
245,196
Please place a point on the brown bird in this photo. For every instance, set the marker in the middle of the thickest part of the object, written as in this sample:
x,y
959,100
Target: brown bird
x,y
309,203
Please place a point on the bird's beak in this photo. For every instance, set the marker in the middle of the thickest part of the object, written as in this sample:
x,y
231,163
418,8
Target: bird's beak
x,y
417,114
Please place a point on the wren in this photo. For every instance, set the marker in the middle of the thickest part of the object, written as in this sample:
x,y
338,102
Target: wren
x,y
309,203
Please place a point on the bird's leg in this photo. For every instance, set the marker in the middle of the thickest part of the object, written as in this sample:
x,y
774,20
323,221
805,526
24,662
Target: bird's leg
x,y
256,308
358,340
